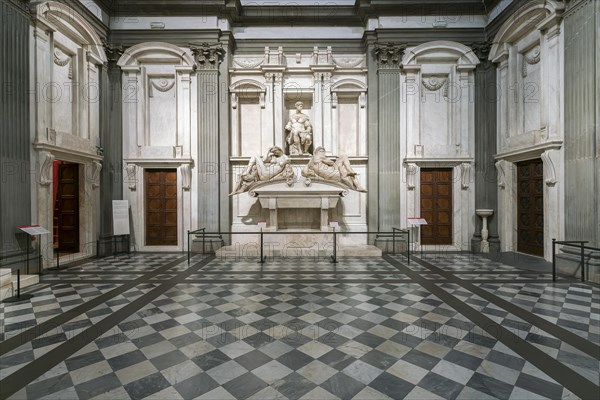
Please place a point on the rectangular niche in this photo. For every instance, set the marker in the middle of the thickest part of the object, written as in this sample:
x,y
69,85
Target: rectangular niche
x,y
531,74
250,124
289,108
162,111
299,218
348,124
64,92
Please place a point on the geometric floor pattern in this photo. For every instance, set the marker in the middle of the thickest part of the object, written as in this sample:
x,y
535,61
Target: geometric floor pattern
x,y
152,326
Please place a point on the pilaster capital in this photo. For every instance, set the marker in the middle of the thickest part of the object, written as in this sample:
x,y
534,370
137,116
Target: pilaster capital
x,y
389,55
208,55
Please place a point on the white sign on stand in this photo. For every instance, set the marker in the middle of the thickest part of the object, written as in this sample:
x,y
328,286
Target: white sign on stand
x,y
120,217
34,230
417,222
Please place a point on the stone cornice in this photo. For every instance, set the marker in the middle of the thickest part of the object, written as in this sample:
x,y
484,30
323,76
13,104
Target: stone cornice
x,y
529,152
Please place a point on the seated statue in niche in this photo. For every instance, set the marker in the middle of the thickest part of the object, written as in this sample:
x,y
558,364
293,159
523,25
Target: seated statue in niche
x,y
299,138
340,170
275,165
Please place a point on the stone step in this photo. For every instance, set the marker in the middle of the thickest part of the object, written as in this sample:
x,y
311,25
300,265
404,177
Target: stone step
x,y
294,252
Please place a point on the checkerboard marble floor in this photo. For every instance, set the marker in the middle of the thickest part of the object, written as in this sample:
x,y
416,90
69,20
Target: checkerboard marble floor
x,y
153,326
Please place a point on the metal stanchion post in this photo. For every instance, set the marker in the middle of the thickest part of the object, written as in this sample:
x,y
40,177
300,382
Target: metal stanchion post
x,y
582,264
18,297
394,241
188,242
334,257
554,260
408,245
262,258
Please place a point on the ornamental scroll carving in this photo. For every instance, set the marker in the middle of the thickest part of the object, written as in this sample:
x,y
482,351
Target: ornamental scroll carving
x,y
131,176
465,175
46,168
186,176
411,175
96,167
208,55
501,174
549,167
389,55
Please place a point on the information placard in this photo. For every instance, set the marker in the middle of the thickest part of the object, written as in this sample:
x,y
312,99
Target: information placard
x,y
34,230
120,217
417,221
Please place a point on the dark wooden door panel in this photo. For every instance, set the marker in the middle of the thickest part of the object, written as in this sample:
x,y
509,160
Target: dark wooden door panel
x,y
530,207
68,207
436,206
161,207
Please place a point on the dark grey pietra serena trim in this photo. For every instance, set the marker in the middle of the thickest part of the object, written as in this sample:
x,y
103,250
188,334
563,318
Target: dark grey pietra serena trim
x,y
46,326
179,37
24,376
560,333
568,378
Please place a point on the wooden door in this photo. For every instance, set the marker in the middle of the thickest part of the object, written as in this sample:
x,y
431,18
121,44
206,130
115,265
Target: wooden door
x,y
161,207
530,207
68,207
436,206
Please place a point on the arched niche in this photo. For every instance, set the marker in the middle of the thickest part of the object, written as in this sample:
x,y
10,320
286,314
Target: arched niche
x,y
441,51
247,115
62,18
533,15
155,52
349,117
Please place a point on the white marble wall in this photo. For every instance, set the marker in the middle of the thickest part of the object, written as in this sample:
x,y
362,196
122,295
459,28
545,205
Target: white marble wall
x,y
263,90
65,106
437,110
528,51
159,91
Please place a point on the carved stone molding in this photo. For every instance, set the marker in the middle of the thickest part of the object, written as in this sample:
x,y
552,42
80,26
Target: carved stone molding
x,y
532,59
113,52
46,168
161,84
186,176
96,167
412,170
274,57
501,174
248,63
131,176
322,57
208,55
465,175
389,55
234,101
61,59
481,49
434,84
548,159
348,62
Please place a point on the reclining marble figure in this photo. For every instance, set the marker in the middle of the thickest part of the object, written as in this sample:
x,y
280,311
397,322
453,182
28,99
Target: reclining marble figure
x,y
275,166
339,171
